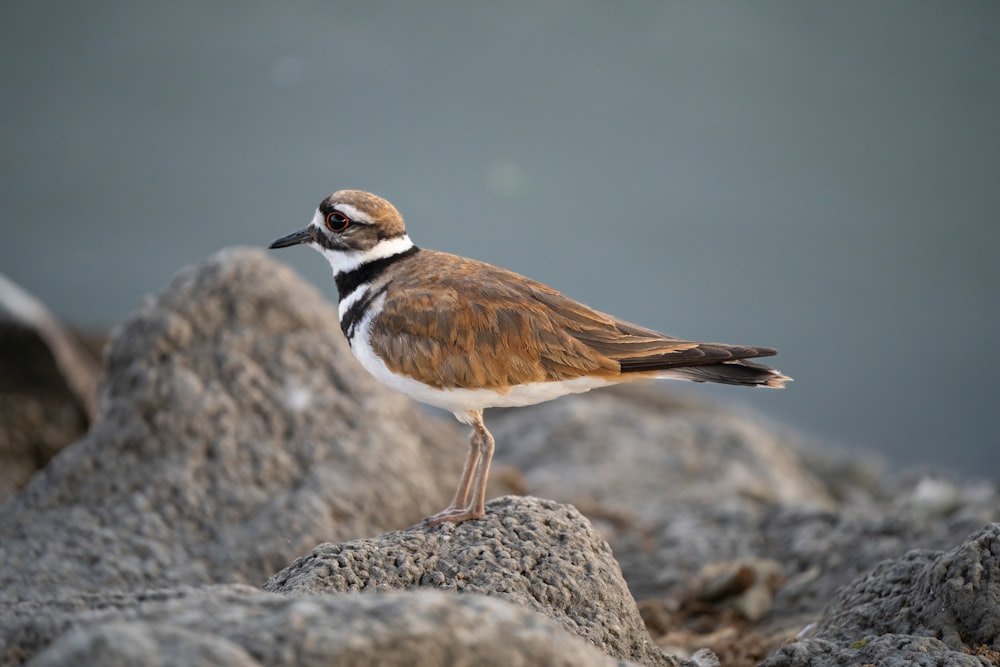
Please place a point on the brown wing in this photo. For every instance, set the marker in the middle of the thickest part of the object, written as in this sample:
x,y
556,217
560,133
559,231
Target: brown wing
x,y
455,322
642,351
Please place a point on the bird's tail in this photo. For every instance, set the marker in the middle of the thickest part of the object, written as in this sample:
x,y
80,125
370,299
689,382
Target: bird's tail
x,y
705,362
741,372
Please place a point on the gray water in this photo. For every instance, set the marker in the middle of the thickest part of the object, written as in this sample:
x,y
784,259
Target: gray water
x,y
817,177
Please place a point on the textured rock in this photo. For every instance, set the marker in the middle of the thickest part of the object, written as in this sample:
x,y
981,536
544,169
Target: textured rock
x,y
937,604
240,626
128,644
884,651
674,484
953,596
235,432
536,553
824,551
634,448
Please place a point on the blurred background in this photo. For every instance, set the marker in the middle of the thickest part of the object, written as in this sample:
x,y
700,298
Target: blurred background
x,y
823,178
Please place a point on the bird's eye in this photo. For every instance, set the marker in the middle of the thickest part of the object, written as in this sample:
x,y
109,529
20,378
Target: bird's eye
x,y
337,221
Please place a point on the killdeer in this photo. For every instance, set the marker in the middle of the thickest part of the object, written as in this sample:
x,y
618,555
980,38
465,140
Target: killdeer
x,y
463,335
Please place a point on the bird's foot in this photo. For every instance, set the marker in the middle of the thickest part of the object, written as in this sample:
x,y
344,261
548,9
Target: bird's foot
x,y
453,515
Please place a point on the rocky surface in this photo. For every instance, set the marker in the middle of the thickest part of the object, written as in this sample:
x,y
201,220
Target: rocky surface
x,y
238,442
941,601
237,625
538,554
235,432
672,482
885,651
696,498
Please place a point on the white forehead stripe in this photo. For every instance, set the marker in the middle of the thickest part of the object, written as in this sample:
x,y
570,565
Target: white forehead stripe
x,y
353,213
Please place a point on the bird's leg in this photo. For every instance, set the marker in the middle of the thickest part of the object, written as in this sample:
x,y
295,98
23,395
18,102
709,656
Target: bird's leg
x,y
461,499
474,475
484,442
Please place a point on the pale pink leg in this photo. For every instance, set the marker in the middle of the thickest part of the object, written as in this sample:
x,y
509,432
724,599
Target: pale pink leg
x,y
474,476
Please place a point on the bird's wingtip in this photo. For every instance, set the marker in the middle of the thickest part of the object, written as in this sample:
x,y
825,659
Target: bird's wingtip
x,y
778,380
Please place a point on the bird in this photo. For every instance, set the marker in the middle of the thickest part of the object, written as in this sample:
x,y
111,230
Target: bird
x,y
463,335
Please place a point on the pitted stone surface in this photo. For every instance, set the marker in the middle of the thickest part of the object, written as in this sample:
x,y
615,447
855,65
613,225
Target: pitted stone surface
x,y
953,596
236,625
884,651
539,554
928,607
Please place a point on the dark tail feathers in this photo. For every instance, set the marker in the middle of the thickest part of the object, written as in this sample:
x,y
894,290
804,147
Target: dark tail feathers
x,y
744,373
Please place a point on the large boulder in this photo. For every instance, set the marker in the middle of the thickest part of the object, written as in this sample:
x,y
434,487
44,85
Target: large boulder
x,y
235,432
539,554
884,651
953,596
944,606
237,625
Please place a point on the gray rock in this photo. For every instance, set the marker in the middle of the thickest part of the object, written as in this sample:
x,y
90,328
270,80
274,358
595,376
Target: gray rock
x,y
633,449
235,432
671,482
824,550
705,658
539,554
938,606
236,625
674,484
885,651
953,596
127,644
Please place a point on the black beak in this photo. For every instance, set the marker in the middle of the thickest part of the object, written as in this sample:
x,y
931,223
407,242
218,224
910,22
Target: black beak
x,y
301,236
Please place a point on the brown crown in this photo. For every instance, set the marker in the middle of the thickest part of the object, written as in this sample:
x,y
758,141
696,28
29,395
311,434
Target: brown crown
x,y
381,212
